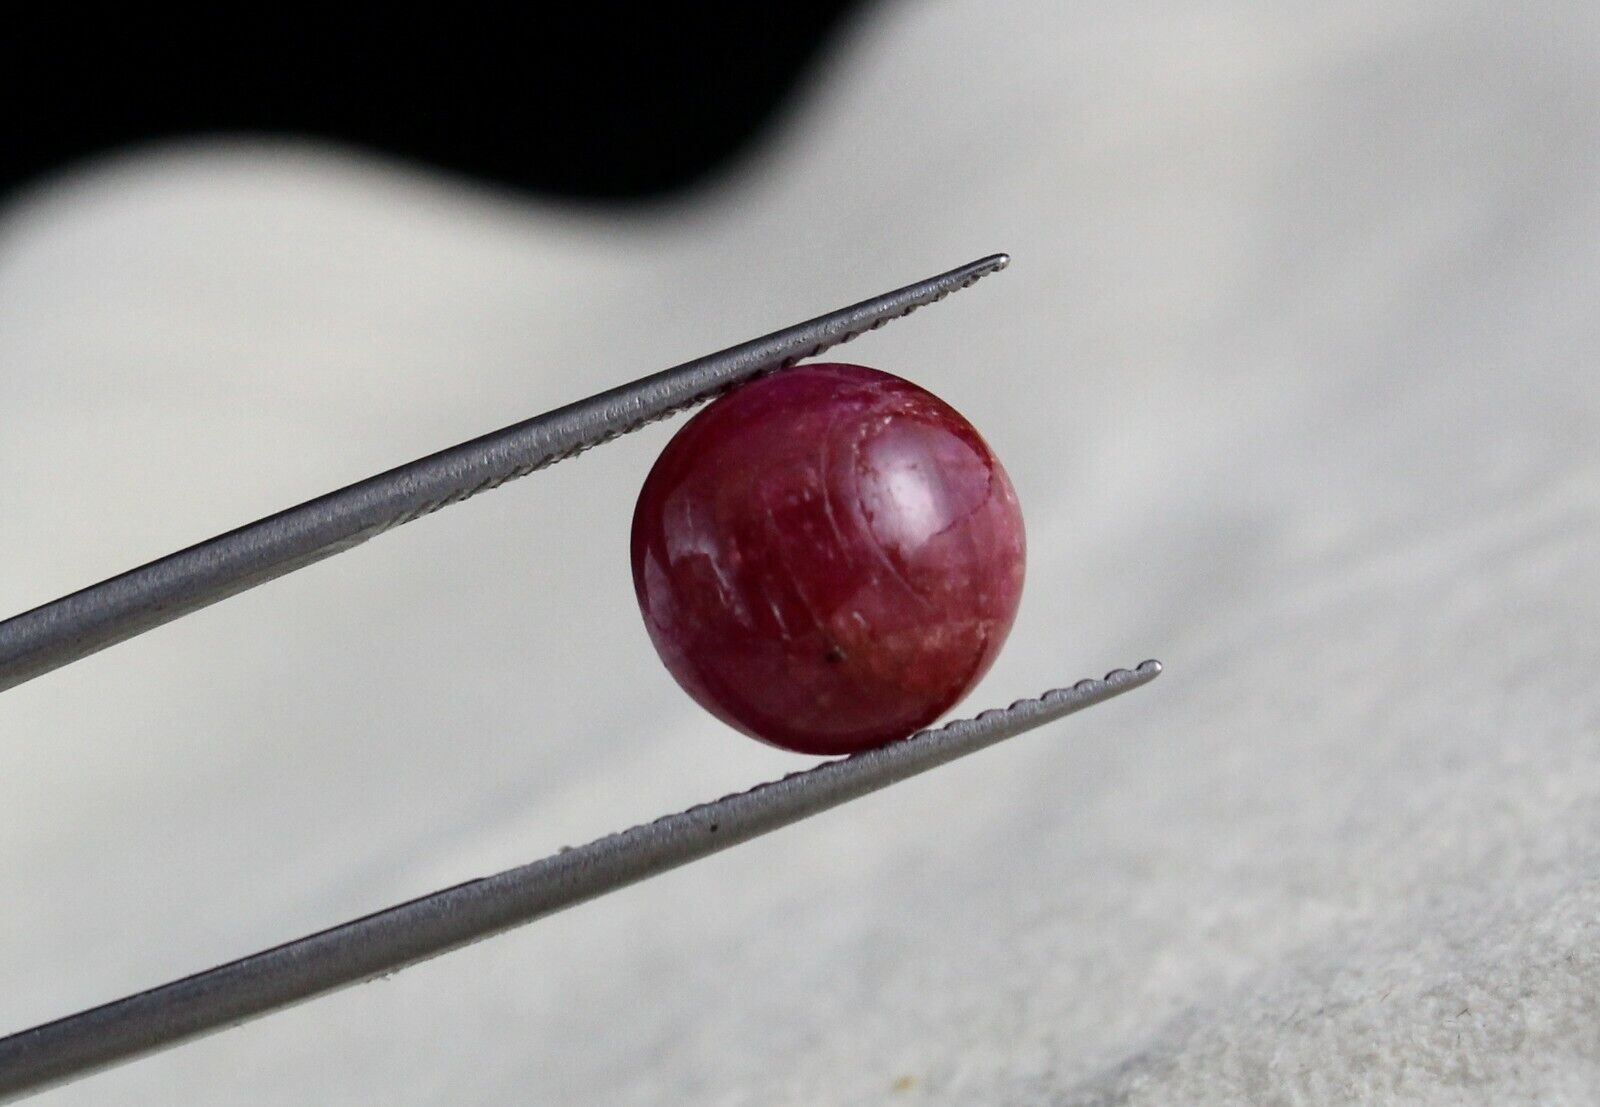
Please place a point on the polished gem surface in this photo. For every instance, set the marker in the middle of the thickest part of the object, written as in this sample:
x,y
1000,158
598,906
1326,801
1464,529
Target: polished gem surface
x,y
828,558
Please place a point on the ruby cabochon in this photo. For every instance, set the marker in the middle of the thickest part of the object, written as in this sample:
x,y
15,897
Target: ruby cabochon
x,y
828,558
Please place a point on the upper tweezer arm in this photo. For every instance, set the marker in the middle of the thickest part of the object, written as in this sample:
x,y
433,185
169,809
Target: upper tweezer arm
x,y
104,614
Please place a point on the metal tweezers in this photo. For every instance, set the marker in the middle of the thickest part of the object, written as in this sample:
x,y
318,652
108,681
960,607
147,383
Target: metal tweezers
x,y
48,637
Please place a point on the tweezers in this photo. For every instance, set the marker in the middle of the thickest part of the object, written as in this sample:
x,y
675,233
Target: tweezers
x,y
70,628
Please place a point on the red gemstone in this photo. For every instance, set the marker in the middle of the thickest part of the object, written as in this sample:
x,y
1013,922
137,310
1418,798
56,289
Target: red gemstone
x,y
828,558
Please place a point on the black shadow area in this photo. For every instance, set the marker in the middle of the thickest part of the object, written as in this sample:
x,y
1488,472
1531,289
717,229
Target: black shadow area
x,y
602,100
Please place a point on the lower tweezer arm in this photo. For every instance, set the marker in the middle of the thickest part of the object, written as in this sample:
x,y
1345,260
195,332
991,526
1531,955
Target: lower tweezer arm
x,y
426,927
104,614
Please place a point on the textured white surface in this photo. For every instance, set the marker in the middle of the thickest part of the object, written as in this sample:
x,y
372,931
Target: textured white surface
x,y
1295,376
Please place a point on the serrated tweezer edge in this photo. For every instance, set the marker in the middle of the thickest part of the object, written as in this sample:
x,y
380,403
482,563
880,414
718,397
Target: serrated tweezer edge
x,y
381,943
141,599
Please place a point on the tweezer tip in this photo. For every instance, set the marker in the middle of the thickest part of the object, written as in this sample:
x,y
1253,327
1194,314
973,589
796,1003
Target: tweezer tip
x,y
992,263
1142,673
